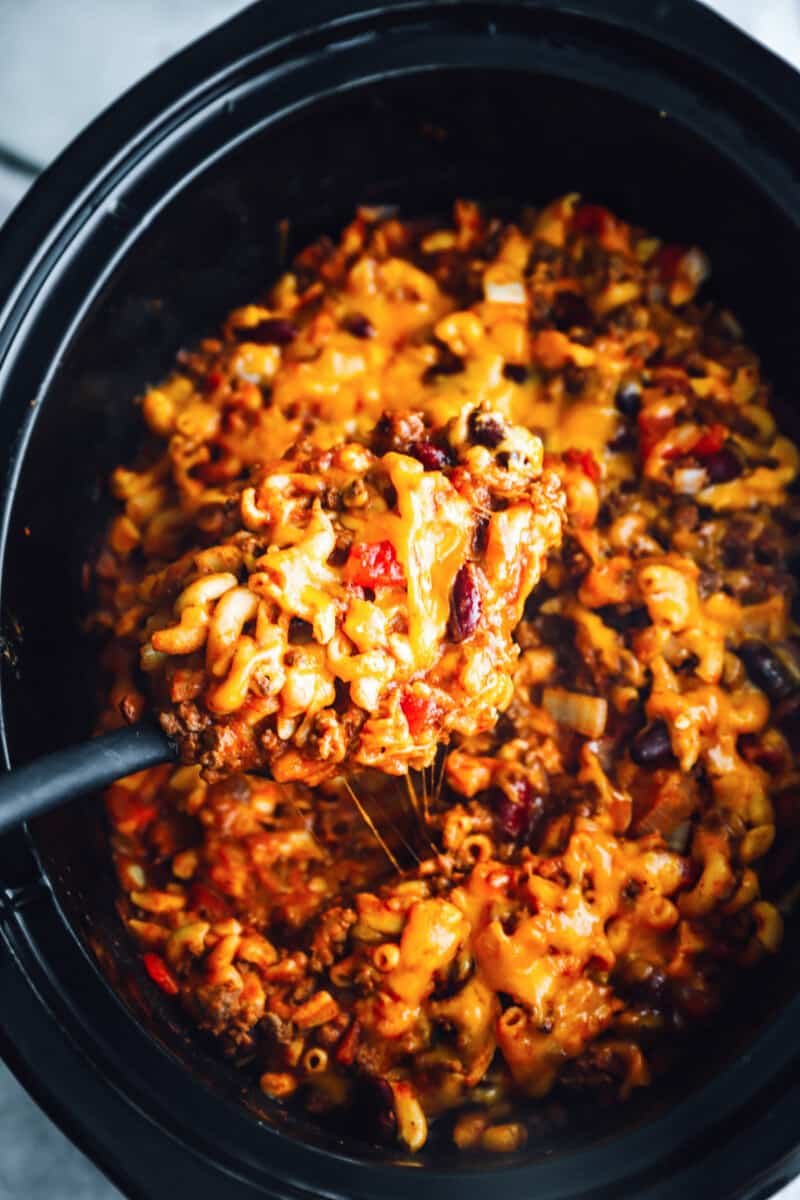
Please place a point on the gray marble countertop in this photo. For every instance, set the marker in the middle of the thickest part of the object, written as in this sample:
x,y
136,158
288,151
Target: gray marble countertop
x,y
63,61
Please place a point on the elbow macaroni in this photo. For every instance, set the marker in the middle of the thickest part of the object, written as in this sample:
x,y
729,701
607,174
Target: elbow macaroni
x,y
320,566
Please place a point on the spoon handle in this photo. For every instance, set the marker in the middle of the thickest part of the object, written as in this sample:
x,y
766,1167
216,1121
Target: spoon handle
x,y
79,770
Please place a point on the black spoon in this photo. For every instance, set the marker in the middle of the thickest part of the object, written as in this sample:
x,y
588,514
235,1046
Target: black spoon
x,y
80,770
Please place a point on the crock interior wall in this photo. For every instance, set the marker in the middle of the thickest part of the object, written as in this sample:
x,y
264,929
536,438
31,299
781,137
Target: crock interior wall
x,y
506,138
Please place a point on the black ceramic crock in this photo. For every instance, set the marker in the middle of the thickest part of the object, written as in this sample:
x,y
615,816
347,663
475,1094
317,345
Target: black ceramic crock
x,y
156,221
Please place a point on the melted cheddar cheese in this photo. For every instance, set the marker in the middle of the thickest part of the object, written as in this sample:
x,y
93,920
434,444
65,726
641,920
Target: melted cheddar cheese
x,y
509,486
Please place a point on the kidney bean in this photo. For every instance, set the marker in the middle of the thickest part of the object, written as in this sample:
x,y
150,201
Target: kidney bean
x,y
695,1001
518,817
300,632
515,372
448,363
432,457
651,747
273,331
623,440
628,399
465,604
486,429
510,814
480,534
722,466
359,325
652,991
766,669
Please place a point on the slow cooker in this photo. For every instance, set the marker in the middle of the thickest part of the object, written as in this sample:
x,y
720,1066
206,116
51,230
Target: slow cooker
x,y
167,212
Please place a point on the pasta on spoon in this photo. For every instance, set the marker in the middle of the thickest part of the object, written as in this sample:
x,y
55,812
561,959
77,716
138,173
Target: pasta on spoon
x,y
358,604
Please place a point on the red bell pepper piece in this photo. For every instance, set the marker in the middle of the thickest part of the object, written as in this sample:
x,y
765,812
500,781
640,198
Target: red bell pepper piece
x,y
585,460
419,711
374,564
160,973
592,219
710,442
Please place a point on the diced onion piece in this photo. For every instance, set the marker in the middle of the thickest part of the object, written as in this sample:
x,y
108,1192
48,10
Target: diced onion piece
x,y
688,481
510,292
585,714
696,266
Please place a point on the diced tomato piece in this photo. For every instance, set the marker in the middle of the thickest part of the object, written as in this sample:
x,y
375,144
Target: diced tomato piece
x,y
710,442
420,712
585,460
129,812
374,564
213,380
160,973
203,899
591,218
652,427
668,260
